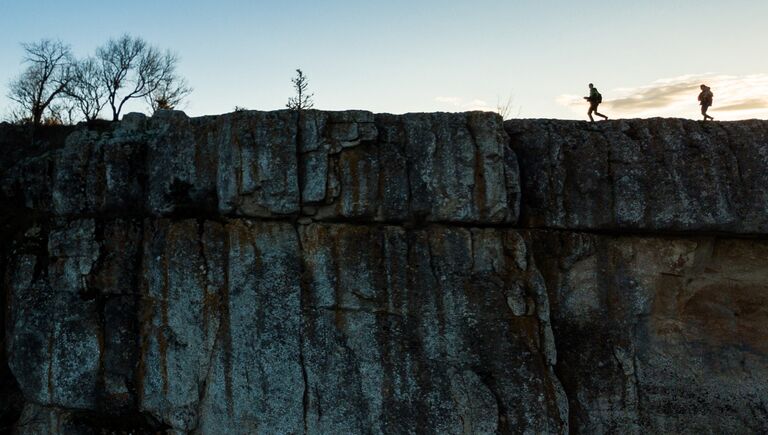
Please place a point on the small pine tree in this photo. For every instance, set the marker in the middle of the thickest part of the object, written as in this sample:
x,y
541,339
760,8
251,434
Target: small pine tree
x,y
302,100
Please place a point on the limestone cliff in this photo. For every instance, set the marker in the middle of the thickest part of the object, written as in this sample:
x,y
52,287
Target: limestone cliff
x,y
345,272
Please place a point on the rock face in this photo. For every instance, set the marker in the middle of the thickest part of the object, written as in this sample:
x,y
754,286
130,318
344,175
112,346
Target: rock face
x,y
326,165
345,272
659,334
655,175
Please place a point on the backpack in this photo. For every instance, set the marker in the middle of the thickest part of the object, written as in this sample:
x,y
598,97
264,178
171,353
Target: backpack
x,y
599,98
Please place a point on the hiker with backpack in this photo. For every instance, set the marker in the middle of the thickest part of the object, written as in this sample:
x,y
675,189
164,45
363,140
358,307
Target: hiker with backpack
x,y
594,99
705,99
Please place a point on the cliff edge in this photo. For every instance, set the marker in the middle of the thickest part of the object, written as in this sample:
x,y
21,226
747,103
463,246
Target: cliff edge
x,y
350,272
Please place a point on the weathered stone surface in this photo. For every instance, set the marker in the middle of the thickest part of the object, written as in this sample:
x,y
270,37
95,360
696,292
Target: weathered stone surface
x,y
27,185
652,175
345,272
92,170
257,327
71,328
408,337
220,345
239,164
98,173
36,419
436,330
323,135
243,163
659,335
434,167
54,345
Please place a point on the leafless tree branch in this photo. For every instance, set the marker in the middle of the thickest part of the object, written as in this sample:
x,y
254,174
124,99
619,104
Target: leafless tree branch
x,y
133,69
47,76
87,91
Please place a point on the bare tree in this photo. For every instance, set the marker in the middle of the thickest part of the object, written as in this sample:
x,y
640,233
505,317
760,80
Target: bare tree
x,y
62,112
169,94
87,90
302,100
504,108
45,79
17,116
133,69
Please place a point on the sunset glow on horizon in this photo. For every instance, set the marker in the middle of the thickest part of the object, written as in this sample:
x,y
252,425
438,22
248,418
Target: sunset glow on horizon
x,y
736,97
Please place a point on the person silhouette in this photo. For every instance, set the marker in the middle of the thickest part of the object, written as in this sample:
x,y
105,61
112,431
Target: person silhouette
x,y
705,99
594,99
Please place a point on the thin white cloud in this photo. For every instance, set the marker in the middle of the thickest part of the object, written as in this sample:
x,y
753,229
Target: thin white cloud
x,y
479,105
736,97
453,101
459,104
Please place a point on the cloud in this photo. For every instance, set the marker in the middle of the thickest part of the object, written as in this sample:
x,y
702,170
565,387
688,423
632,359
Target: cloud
x,y
751,104
453,101
654,97
461,105
736,97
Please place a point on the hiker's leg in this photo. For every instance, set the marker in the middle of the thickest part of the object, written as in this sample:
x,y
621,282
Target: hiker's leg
x,y
594,107
591,109
705,112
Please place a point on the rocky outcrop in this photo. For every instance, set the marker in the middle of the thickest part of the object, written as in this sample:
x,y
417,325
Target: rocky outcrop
x,y
655,175
665,335
345,272
323,165
260,326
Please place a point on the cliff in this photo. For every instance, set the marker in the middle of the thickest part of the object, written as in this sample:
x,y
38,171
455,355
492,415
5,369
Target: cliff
x,y
345,272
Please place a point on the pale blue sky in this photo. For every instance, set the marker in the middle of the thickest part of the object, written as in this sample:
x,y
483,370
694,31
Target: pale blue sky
x,y
400,56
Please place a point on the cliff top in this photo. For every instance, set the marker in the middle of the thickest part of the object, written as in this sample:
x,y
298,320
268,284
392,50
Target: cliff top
x,y
669,175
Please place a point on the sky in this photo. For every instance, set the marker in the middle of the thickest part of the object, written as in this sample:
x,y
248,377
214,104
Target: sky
x,y
647,57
